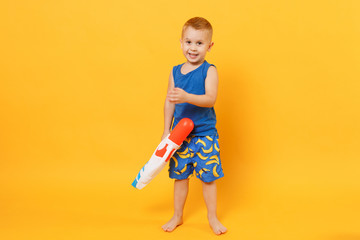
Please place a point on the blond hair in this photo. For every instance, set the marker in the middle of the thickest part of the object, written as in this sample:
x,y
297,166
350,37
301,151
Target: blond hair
x,y
198,23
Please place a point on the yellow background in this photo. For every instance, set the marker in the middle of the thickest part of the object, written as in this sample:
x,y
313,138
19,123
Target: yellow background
x,y
82,86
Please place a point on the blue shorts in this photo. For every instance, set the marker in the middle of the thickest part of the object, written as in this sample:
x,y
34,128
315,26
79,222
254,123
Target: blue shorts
x,y
198,153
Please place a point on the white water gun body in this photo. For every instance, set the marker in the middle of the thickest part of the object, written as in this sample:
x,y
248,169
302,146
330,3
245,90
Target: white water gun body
x,y
163,153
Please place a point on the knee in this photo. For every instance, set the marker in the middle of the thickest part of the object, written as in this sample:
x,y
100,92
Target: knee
x,y
209,183
181,182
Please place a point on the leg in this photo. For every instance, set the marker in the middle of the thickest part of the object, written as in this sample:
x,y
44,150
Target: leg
x,y
181,188
209,191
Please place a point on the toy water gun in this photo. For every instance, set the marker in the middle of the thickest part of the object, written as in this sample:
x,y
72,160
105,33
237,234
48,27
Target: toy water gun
x,y
163,153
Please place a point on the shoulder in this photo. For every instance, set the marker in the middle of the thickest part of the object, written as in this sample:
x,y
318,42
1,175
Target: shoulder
x,y
176,68
208,66
212,73
210,69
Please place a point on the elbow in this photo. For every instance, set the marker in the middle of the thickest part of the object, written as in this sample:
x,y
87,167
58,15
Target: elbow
x,y
210,103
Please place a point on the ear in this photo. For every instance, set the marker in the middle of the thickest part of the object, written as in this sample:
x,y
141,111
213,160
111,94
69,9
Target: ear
x,y
210,46
181,43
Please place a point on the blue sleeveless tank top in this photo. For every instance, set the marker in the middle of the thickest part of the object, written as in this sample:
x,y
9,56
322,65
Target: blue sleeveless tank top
x,y
194,82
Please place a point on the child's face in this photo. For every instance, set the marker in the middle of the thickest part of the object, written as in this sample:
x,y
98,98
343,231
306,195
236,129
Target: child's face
x,y
195,44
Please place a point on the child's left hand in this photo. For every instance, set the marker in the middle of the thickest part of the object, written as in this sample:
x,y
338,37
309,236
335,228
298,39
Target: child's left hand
x,y
177,95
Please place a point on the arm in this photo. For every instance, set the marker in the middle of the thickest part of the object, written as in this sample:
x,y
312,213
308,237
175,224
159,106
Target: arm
x,y
177,95
169,109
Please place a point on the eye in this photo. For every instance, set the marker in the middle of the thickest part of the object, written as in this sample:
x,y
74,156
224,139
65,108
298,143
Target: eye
x,y
188,42
199,43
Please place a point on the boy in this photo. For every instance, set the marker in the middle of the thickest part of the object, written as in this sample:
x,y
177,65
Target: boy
x,y
192,91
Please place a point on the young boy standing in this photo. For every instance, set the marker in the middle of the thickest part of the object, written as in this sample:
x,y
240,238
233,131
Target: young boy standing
x,y
192,91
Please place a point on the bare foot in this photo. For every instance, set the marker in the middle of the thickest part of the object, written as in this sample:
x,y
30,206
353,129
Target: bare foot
x,y
216,226
172,224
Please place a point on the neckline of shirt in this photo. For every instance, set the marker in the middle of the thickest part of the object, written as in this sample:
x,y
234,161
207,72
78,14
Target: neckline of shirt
x,y
191,70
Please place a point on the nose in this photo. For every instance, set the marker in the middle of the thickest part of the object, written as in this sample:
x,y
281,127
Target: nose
x,y
193,47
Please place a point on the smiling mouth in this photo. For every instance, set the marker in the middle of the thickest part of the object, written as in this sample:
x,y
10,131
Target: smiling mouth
x,y
193,55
